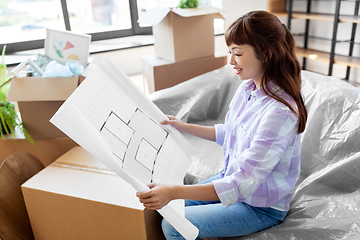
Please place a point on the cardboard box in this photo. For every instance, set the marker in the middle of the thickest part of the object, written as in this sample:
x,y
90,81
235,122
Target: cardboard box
x,y
38,99
76,197
46,150
160,74
277,6
183,34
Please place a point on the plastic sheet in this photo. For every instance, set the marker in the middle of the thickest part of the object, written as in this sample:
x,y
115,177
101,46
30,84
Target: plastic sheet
x,y
326,199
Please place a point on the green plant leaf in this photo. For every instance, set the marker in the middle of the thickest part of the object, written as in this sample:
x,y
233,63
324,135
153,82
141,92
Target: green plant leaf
x,y
8,115
188,4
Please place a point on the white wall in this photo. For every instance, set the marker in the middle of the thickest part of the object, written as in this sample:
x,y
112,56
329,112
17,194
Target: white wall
x,y
233,9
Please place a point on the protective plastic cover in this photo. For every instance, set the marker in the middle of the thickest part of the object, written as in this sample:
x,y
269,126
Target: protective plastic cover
x,y
326,200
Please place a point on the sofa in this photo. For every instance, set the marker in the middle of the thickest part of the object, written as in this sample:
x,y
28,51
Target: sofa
x,y
326,199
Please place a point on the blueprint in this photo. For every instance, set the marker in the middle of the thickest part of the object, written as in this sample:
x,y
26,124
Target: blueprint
x,y
114,121
142,146
130,124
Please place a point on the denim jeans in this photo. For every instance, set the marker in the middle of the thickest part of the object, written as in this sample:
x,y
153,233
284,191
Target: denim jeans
x,y
213,220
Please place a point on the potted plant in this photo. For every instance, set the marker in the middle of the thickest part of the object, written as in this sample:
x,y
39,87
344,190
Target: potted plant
x,y
188,4
9,119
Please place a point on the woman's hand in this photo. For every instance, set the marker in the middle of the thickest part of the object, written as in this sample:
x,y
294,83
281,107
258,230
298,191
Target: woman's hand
x,y
157,197
160,194
179,125
206,132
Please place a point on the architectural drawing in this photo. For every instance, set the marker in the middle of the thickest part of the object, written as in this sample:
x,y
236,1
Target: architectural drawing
x,y
134,138
114,121
130,125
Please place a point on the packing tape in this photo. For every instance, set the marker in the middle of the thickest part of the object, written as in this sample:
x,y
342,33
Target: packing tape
x,y
82,168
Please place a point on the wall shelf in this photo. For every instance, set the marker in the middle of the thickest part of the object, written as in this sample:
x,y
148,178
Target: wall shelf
x,y
320,16
286,10
325,56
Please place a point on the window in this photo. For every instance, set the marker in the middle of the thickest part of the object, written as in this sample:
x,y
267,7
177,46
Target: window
x,y
90,16
23,23
25,20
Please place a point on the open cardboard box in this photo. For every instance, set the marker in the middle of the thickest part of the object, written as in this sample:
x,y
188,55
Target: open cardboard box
x,y
77,197
160,74
38,99
183,34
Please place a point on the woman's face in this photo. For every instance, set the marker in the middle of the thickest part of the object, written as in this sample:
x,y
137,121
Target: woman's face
x,y
245,63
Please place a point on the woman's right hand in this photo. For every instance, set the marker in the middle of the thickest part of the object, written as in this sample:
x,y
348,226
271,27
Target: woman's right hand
x,y
206,132
179,125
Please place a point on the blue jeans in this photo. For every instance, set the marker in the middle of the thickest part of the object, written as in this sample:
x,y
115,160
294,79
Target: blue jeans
x,y
213,220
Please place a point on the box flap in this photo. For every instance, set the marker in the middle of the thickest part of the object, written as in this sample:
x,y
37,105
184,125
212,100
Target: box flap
x,y
156,15
191,12
42,88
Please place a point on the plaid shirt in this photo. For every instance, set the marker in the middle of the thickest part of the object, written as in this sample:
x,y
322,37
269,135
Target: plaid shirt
x,y
261,150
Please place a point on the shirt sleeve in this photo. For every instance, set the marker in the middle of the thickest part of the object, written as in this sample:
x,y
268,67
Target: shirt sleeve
x,y
253,165
220,128
220,133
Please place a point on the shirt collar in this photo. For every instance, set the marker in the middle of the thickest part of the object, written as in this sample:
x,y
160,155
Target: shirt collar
x,y
258,93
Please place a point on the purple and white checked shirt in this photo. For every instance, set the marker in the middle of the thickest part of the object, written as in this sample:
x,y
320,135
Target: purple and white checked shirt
x,y
261,150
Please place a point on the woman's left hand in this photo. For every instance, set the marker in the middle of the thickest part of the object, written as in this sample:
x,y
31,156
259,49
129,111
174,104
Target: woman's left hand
x,y
157,196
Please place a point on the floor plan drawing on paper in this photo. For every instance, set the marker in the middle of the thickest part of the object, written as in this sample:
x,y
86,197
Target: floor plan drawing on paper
x,y
113,120
143,147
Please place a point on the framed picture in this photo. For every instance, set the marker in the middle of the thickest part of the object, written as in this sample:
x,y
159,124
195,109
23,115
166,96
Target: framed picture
x,y
17,70
64,46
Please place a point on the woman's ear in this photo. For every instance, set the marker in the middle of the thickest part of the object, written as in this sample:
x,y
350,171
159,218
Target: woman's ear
x,y
268,55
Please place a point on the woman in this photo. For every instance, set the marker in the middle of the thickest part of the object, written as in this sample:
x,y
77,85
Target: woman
x,y
260,138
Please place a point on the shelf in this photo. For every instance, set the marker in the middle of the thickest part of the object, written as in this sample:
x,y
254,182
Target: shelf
x,y
332,18
324,56
324,39
317,16
350,19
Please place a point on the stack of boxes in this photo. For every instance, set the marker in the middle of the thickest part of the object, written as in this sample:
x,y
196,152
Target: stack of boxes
x,y
184,46
75,196
38,99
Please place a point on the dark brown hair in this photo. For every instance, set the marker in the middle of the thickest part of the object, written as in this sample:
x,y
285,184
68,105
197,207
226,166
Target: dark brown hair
x,y
274,45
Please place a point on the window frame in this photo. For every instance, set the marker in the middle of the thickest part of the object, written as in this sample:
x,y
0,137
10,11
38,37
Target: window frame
x,y
135,30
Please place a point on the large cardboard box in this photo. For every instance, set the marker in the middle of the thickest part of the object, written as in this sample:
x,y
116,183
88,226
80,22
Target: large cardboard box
x,y
77,197
38,99
160,74
183,34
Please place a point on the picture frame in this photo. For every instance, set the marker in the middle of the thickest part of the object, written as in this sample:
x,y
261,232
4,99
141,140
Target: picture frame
x,y
64,46
17,70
